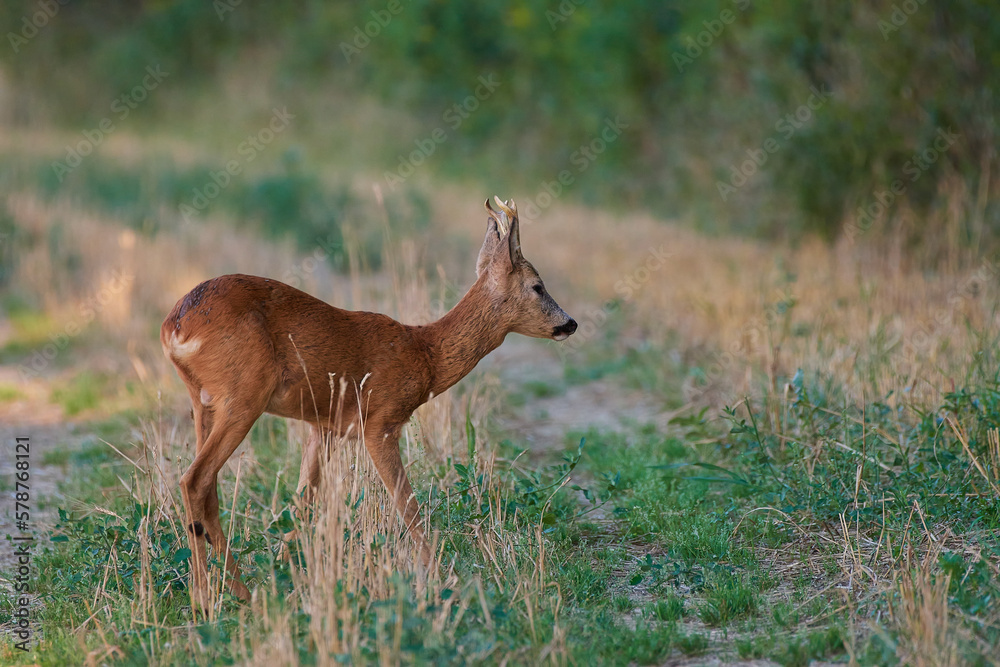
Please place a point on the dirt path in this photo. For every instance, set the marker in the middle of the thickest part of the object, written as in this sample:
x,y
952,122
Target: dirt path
x,y
543,422
542,425
30,415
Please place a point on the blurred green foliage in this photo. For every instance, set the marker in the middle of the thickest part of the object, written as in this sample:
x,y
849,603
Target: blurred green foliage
x,y
698,85
289,201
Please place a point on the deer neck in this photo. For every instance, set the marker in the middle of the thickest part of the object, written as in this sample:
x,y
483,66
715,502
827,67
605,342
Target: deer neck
x,y
460,339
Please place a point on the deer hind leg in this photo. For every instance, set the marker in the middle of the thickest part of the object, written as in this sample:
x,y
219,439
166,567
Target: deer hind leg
x,y
199,489
383,447
203,417
217,537
203,421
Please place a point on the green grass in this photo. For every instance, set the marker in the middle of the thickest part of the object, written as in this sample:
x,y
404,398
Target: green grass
x,y
31,333
284,199
795,651
622,604
687,550
85,391
670,608
728,596
10,393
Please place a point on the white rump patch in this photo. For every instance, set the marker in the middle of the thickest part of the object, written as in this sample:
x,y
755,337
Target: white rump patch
x,y
183,349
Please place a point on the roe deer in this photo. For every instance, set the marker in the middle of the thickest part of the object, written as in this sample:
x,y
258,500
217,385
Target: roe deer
x,y
245,345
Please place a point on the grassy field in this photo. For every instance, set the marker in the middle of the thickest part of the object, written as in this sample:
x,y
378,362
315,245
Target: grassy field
x,y
748,452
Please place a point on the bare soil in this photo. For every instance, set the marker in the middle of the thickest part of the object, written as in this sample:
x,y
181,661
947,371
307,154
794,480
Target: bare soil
x,y
543,422
32,416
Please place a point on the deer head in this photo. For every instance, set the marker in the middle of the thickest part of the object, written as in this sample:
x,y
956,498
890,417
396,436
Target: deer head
x,y
513,284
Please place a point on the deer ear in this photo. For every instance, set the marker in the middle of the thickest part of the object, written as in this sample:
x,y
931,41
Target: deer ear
x,y
496,247
489,249
514,235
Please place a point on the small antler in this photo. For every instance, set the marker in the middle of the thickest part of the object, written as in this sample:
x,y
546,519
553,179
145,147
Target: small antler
x,y
500,217
508,207
505,217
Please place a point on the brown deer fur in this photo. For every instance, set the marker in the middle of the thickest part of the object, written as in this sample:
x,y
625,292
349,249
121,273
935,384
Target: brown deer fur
x,y
245,345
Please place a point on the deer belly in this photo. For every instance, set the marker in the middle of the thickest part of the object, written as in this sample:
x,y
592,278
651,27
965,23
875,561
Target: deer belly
x,y
316,407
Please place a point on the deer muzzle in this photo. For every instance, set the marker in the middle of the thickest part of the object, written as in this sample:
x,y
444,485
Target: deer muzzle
x,y
564,331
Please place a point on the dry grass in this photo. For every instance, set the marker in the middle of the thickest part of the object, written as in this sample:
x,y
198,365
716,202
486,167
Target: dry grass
x,y
351,557
353,547
748,314
921,613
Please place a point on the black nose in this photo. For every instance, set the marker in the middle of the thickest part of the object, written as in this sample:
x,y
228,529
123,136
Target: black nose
x,y
567,328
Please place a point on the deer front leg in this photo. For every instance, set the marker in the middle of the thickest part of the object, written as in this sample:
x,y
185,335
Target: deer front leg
x,y
310,468
312,452
383,447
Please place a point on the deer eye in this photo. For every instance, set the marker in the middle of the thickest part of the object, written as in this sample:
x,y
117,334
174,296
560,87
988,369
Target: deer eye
x,y
538,289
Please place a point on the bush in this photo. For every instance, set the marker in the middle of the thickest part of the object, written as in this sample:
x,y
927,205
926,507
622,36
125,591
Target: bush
x,y
697,87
